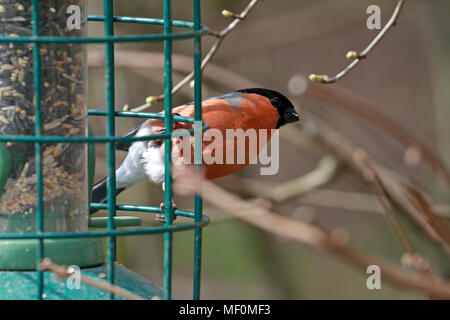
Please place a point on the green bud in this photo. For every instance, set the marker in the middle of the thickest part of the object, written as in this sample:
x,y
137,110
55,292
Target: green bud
x,y
313,77
318,78
150,100
228,14
352,55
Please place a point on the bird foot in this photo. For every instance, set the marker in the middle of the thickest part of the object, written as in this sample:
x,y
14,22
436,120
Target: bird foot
x,y
161,217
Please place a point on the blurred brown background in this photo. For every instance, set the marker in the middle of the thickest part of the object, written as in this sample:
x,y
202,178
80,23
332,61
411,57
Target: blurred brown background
x,y
406,77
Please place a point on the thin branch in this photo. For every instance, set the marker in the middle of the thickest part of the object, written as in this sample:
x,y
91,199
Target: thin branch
x,y
336,242
359,57
62,273
390,184
237,18
323,173
359,160
347,100
381,193
358,202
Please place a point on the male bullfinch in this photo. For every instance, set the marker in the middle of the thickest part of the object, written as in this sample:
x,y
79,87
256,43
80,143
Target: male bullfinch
x,y
244,109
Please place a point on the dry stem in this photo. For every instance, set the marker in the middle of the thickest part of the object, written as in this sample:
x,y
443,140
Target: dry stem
x,y
358,57
313,236
62,273
220,37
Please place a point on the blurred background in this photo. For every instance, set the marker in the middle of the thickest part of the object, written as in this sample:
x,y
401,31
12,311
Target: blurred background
x,y
406,78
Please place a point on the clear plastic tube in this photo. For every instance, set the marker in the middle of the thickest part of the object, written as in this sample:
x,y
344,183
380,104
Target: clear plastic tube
x,y
64,113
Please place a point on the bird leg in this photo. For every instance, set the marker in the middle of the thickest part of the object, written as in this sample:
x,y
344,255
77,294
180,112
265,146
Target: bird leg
x,y
161,217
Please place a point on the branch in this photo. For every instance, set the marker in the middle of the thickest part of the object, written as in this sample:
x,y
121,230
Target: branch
x,y
237,18
62,273
371,174
360,161
357,58
322,174
386,183
335,242
358,202
347,100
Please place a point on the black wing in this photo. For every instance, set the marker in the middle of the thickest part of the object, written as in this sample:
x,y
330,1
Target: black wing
x,y
125,145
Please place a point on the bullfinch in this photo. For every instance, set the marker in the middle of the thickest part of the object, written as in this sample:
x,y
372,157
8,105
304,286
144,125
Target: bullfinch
x,y
254,108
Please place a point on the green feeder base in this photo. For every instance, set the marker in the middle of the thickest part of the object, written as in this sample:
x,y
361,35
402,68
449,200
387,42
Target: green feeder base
x,y
21,254
23,285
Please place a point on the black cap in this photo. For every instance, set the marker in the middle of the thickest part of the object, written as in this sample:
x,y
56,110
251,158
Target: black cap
x,y
285,107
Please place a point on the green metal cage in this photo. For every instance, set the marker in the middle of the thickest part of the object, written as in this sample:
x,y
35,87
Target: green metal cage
x,y
194,30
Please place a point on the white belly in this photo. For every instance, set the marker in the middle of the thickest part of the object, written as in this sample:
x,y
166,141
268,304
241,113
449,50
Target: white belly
x,y
153,161
143,161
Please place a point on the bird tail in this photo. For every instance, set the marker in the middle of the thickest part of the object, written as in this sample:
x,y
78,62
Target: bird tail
x,y
99,193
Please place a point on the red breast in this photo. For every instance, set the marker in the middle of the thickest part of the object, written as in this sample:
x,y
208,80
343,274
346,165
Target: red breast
x,y
251,111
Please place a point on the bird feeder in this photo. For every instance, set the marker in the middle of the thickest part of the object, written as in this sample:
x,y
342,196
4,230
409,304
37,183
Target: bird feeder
x,y
62,183
47,155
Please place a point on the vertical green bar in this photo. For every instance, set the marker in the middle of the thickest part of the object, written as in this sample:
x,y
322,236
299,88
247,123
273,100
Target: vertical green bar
x,y
198,147
168,237
111,155
38,146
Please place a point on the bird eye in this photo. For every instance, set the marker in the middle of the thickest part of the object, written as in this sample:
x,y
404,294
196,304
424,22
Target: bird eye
x,y
276,102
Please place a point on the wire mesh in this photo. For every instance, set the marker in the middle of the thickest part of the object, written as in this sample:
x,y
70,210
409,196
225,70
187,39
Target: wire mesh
x,y
195,31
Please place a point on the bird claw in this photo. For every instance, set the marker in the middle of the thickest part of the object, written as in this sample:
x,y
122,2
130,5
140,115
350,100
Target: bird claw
x,y
161,217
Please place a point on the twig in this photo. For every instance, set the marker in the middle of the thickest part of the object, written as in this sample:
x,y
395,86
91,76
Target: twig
x,y
278,192
359,202
347,100
371,174
62,273
323,173
358,57
423,213
220,37
416,202
359,160
313,236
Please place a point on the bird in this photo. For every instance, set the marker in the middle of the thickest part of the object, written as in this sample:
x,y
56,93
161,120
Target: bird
x,y
252,108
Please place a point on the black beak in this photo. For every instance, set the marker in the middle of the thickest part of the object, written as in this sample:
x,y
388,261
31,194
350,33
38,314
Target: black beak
x,y
291,116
